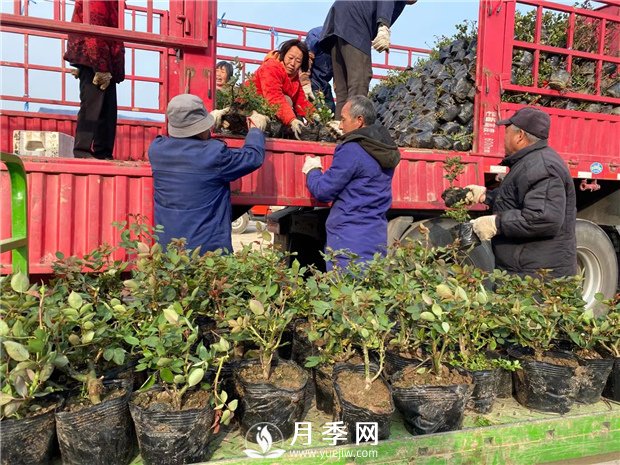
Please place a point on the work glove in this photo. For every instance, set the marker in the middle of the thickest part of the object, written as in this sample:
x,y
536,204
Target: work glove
x,y
256,120
296,126
75,72
102,80
310,164
382,41
476,194
334,128
218,114
484,227
308,91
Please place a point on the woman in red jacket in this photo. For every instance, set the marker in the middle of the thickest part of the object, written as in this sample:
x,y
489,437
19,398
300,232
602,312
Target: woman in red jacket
x,y
277,79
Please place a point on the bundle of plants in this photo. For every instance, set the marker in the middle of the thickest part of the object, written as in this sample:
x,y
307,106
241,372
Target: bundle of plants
x,y
28,359
431,104
263,300
532,310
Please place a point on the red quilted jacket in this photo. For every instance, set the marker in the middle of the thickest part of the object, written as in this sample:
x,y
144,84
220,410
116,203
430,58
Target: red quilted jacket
x,y
273,83
100,54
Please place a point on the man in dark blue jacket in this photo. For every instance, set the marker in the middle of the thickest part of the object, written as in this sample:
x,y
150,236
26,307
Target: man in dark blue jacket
x,y
359,183
348,34
192,174
321,71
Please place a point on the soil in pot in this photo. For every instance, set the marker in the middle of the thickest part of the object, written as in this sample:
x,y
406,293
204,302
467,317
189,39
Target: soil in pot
x,y
430,403
612,388
235,123
354,405
168,436
98,434
591,376
396,361
30,440
279,401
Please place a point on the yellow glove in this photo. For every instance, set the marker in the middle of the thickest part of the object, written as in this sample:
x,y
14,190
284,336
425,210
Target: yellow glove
x,y
217,115
476,194
102,80
334,128
310,164
256,120
75,72
484,227
296,126
308,91
381,43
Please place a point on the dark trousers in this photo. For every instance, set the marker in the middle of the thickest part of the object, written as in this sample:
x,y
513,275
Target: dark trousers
x,y
96,120
352,72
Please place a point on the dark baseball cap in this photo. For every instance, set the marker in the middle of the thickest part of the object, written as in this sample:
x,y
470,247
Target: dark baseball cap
x,y
531,120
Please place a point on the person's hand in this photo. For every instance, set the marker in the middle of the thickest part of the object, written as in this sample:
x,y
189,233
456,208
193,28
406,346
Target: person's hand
x,y
334,128
217,115
256,120
102,80
296,126
485,227
381,43
310,164
308,91
75,72
476,194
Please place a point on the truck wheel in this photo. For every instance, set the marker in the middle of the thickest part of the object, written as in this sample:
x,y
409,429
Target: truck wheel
x,y
440,236
241,224
596,259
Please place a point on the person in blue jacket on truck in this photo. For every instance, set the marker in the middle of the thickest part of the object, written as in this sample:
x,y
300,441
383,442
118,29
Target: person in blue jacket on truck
x,y
192,174
352,28
359,183
321,72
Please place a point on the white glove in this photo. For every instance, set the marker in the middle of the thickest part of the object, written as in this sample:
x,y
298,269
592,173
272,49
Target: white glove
x,y
102,80
334,128
476,194
310,164
382,41
256,120
75,72
217,114
308,91
296,126
484,227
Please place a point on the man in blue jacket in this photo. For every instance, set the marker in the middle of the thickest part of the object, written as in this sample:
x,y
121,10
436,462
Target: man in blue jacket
x,y
192,174
359,183
321,71
348,34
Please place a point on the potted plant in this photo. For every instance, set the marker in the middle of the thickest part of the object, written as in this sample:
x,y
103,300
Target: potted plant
x,y
27,363
609,346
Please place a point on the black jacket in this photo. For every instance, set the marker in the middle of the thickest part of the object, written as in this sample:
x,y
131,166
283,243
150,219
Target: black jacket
x,y
536,214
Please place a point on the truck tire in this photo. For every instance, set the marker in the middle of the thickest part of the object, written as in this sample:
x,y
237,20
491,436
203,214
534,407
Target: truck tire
x,y
241,224
440,236
596,259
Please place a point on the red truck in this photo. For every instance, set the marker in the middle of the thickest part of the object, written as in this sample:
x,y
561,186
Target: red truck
x,y
72,203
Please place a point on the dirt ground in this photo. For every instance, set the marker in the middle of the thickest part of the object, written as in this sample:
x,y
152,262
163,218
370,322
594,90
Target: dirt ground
x,y
248,237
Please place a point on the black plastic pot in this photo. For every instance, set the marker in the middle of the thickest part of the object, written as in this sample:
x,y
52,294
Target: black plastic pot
x,y
100,434
395,362
325,393
464,232
592,378
612,389
431,409
352,414
30,440
266,403
504,384
485,390
173,437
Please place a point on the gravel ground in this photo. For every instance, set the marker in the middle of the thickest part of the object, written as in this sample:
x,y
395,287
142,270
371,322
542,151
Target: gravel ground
x,y
251,235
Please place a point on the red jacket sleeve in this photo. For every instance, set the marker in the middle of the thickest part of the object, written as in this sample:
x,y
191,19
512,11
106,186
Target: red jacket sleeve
x,y
272,82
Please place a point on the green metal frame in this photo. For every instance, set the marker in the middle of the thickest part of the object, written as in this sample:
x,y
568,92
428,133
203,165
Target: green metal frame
x,y
18,243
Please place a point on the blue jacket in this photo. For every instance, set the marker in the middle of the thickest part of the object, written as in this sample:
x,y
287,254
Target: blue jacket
x,y
357,21
191,180
322,71
361,192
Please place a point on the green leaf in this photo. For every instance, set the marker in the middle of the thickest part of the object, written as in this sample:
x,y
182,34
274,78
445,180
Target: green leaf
x,y
75,300
61,361
232,405
179,379
195,376
4,328
131,340
427,316
171,315
166,375
88,337
256,307
119,356
5,398
16,351
226,417
19,282
445,326
18,329
365,333
437,311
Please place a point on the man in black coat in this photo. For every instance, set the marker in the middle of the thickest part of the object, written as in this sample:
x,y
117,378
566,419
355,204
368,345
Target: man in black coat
x,y
534,208
351,28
